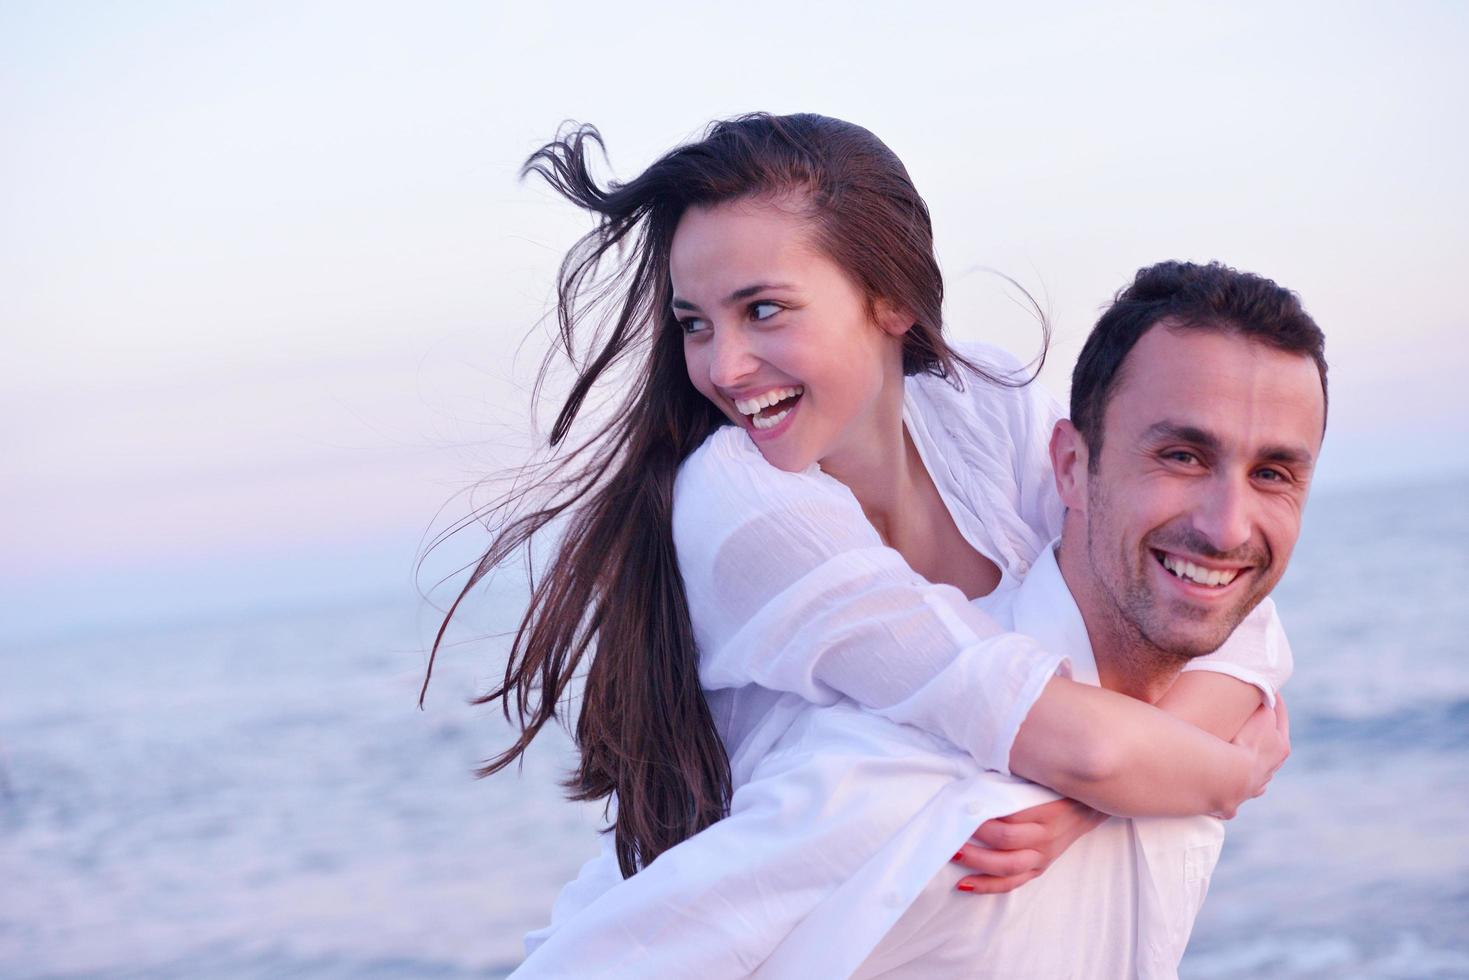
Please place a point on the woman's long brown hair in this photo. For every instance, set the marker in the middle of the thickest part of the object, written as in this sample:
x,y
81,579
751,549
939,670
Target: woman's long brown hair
x,y
644,731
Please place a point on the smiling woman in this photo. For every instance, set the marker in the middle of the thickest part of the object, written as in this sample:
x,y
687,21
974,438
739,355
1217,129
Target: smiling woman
x,y
847,217
762,352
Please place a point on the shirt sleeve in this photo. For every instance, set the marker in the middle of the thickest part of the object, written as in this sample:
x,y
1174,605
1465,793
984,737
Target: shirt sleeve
x,y
790,587
1257,652
829,840
597,877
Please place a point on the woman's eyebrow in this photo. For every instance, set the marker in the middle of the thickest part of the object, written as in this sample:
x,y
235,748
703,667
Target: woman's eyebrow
x,y
742,293
749,291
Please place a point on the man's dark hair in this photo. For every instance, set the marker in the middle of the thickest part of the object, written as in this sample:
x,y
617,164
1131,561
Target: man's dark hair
x,y
1187,296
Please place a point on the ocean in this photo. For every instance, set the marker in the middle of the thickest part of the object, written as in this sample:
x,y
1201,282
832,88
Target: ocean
x,y
262,797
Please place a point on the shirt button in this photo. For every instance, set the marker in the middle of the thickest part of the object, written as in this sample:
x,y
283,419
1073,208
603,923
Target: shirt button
x,y
975,808
1022,568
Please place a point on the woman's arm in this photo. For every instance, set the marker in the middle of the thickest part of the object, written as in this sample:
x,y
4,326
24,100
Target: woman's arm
x,y
1216,696
1211,701
1128,758
791,589
1009,851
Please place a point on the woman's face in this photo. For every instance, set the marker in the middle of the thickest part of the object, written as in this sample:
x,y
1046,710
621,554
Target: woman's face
x,y
779,337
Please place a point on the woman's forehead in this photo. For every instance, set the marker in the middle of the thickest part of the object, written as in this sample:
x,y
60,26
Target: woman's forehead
x,y
742,241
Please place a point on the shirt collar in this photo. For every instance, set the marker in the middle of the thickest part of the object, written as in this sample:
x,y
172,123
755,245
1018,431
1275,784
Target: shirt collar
x,y
1045,610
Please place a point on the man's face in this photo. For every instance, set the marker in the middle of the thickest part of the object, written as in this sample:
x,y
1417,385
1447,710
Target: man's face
x,y
1192,511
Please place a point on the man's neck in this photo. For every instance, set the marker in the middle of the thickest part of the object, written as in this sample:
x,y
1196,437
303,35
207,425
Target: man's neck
x,y
1126,661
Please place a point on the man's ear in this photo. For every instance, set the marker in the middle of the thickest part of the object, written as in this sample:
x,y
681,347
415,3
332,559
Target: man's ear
x,y
891,320
1069,461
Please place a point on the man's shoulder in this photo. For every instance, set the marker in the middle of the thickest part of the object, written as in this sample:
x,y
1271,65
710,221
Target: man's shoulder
x,y
1043,607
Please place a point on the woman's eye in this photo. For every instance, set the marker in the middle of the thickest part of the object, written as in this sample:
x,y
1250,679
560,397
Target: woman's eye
x,y
764,311
691,324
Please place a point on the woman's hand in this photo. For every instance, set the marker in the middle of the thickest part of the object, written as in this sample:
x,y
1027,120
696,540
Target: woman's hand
x,y
1266,737
1012,850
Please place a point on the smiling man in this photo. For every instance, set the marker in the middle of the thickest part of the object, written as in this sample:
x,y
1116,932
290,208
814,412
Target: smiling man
x,y
1198,406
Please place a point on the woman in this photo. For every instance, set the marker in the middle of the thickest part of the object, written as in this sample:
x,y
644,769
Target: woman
x,y
845,570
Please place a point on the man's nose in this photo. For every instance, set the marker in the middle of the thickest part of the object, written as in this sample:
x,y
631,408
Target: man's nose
x,y
1224,516
733,359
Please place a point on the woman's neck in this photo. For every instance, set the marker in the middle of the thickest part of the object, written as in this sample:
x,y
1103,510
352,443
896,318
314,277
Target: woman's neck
x,y
883,470
903,503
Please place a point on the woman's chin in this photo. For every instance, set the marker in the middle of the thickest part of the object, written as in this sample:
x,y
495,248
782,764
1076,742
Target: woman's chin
x,y
784,455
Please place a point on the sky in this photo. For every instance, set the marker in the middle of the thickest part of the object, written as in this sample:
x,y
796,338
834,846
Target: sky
x,y
272,295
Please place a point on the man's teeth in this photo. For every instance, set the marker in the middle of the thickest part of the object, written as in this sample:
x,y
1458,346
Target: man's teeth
x,y
1184,568
749,406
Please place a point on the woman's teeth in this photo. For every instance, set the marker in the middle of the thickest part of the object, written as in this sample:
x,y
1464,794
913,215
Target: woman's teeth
x,y
749,406
772,422
1185,569
760,403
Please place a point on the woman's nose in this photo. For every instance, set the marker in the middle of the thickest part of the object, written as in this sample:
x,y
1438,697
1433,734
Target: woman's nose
x,y
733,359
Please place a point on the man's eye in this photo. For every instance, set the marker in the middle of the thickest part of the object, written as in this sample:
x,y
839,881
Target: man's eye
x,y
1181,456
1271,475
764,311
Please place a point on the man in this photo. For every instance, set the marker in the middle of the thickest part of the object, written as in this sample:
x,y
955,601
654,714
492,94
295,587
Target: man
x,y
1198,407
1184,470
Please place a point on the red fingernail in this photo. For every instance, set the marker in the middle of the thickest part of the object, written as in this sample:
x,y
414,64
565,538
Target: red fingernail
x,y
965,886
958,856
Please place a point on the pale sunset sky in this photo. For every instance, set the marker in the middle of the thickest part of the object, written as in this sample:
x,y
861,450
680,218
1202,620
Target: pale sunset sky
x,y
267,274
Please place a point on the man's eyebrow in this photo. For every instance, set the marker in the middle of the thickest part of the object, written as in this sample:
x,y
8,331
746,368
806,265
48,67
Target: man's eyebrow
x,y
1168,431
1181,432
1290,455
739,294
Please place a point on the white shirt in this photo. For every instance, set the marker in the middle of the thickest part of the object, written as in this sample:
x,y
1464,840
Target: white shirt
x,y
1120,902
795,604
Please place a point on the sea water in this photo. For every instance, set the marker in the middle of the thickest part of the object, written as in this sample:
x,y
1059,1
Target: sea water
x,y
1354,862
261,797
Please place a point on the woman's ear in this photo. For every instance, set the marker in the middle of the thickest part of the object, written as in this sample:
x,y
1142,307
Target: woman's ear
x,y
891,320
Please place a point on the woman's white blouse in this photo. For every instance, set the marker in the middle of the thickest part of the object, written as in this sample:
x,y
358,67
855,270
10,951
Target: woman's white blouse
x,y
791,590
796,601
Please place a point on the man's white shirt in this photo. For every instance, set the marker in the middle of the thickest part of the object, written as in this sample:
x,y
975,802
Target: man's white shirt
x,y
844,817
1120,902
